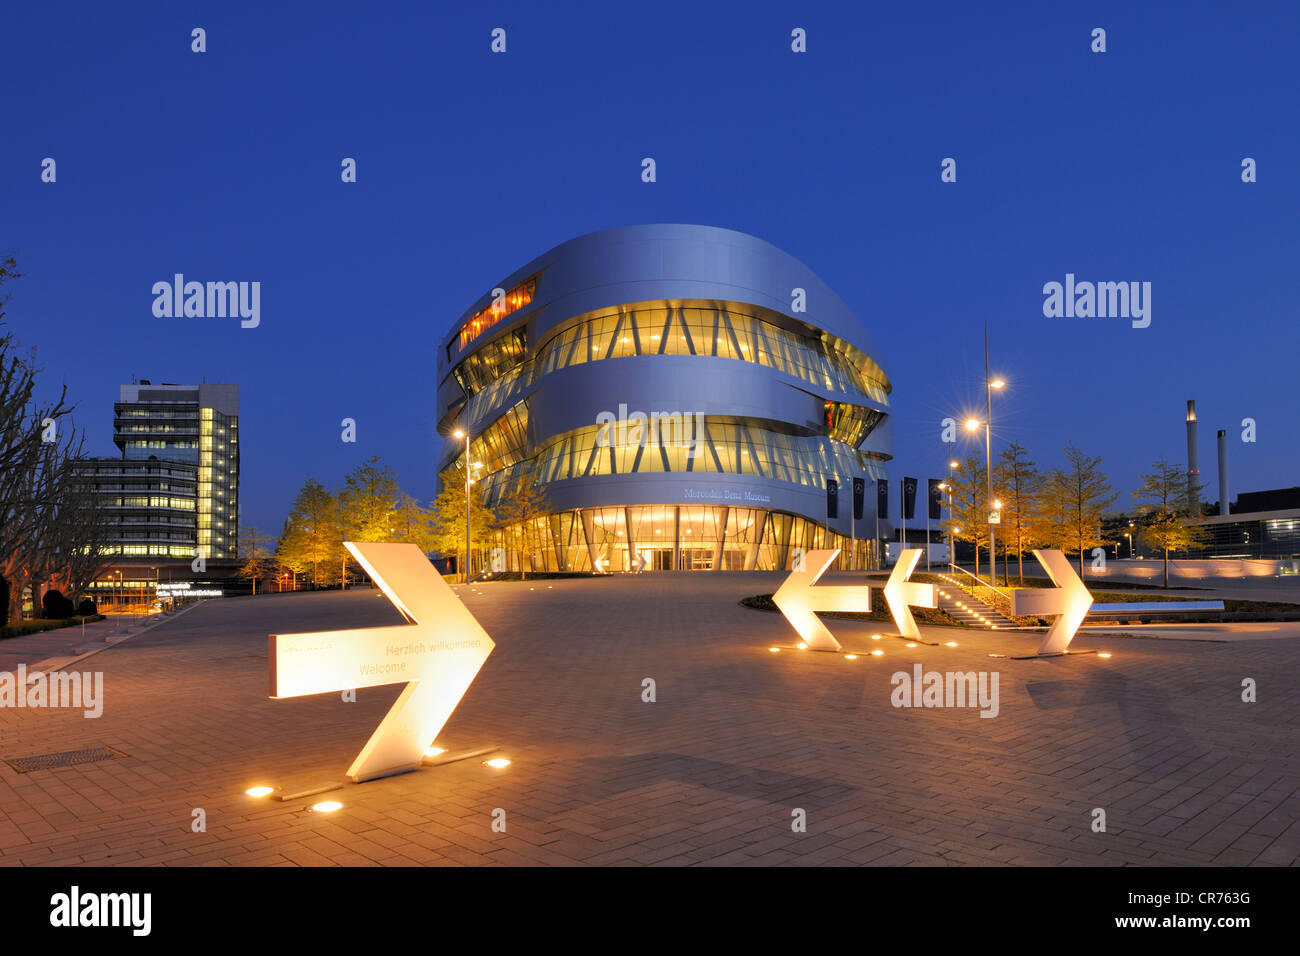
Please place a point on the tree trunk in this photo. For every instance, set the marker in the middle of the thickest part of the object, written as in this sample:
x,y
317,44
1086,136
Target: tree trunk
x,y
1166,568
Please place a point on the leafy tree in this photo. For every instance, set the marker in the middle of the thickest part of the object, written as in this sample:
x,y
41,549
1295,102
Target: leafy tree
x,y
1074,501
369,498
1018,483
255,554
313,534
518,515
448,520
1167,505
368,502
413,522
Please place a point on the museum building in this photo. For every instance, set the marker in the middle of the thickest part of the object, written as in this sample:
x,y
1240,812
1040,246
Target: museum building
x,y
680,394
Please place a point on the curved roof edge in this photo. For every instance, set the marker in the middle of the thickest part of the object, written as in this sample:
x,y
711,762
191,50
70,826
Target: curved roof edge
x,y
679,260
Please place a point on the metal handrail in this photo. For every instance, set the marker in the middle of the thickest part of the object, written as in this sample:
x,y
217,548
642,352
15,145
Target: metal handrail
x,y
980,581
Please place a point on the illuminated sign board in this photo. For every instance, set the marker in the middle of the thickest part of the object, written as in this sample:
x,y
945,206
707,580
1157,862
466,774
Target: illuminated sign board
x,y
436,656
184,589
484,319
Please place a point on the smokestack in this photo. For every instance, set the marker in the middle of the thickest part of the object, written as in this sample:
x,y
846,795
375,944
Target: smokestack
x,y
1193,460
1223,472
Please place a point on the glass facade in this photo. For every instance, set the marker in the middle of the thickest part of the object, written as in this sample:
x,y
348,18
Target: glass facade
x,y
164,428
724,447
671,538
1275,535
745,333
151,506
718,330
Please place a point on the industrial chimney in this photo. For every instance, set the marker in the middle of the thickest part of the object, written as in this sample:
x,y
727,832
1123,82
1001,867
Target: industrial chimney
x,y
1223,472
1193,460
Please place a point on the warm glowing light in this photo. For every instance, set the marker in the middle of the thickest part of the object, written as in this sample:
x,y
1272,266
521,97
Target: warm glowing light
x,y
263,791
802,647
877,653
850,657
305,664
997,383
950,644
434,751
774,650
972,424
954,464
497,762
484,319
910,644
458,433
875,637
1069,599
1103,654
798,599
327,806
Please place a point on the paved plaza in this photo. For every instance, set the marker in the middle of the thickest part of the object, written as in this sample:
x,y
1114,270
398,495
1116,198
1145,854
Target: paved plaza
x,y
711,772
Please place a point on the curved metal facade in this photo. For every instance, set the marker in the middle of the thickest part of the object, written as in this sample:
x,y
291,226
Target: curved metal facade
x,y
658,382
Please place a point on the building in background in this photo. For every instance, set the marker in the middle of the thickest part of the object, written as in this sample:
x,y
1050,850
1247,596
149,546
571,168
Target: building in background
x,y
682,394
1259,525
173,494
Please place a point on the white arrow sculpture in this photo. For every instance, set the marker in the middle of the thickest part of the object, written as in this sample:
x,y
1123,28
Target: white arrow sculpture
x,y
1069,599
798,599
437,656
900,593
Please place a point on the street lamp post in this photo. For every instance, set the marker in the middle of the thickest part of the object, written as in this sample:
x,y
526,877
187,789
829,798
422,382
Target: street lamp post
x,y
971,424
989,385
952,544
459,433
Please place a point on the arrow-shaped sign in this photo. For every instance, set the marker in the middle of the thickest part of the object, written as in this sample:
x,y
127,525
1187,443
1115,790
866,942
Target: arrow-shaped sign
x,y
639,561
798,599
1070,599
900,593
436,656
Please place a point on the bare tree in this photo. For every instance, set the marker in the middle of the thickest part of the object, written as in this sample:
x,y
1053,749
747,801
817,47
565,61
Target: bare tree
x,y
49,522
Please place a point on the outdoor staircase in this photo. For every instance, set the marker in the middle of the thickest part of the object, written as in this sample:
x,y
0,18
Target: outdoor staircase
x,y
966,608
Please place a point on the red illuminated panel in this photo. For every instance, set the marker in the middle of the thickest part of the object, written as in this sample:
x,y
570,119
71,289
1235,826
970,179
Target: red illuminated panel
x,y
481,321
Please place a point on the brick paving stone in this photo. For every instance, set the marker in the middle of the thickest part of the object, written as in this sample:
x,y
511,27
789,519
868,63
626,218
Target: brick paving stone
x,y
707,775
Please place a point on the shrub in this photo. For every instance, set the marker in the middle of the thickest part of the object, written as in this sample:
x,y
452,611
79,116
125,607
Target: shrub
x,y
55,607
87,607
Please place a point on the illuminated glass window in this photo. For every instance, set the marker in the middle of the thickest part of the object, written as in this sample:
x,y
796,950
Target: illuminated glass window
x,y
512,301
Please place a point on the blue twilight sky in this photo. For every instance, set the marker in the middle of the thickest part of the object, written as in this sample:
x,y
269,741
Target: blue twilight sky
x,y
225,165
